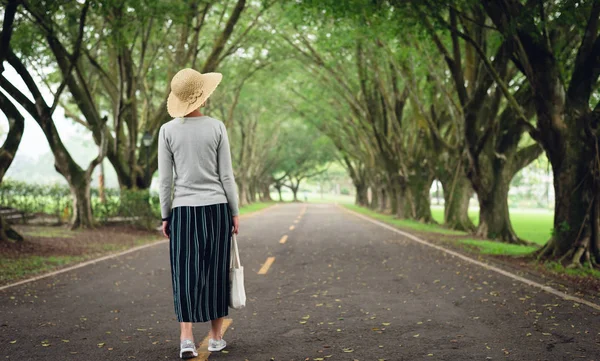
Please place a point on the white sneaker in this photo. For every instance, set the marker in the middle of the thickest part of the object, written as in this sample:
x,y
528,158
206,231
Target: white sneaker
x,y
188,349
216,345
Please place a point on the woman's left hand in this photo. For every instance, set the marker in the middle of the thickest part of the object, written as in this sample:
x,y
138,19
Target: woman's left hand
x,y
165,228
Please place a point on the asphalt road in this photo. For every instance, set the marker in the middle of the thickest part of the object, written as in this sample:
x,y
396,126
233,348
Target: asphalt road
x,y
339,288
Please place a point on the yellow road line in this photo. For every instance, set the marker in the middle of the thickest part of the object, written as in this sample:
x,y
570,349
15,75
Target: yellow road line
x,y
203,352
292,228
296,221
265,267
283,239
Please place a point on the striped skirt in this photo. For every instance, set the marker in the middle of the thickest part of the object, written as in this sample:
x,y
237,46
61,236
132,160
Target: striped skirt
x,y
199,250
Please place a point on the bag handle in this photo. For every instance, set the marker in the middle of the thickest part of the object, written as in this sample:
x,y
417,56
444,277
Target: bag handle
x,y
235,254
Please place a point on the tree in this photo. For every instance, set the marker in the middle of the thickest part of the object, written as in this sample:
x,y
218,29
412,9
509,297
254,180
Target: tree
x,y
557,48
492,130
123,71
78,178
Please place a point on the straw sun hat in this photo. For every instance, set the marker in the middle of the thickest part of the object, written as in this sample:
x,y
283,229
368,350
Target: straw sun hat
x,y
189,89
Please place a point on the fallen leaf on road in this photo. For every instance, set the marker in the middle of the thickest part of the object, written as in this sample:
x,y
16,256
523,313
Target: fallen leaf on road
x,y
386,323
65,340
101,344
417,335
13,341
347,350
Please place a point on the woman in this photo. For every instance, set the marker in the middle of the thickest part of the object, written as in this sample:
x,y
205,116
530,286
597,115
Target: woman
x,y
199,207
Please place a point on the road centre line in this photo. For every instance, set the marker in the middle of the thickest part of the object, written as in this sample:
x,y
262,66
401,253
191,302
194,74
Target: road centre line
x,y
292,228
265,267
203,352
484,265
283,239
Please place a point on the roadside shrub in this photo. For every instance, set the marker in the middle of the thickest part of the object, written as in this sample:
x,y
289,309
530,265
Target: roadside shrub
x,y
140,207
34,199
136,206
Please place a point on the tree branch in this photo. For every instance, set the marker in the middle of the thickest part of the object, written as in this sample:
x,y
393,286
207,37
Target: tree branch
x,y
7,28
587,63
213,59
16,123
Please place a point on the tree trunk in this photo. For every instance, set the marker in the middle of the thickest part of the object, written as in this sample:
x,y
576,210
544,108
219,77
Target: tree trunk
x,y
492,182
361,195
383,200
243,192
278,187
252,193
457,194
7,233
295,191
82,204
418,198
374,198
265,193
575,235
8,150
402,204
494,217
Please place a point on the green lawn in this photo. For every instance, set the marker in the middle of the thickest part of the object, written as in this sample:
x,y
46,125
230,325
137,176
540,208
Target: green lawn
x,y
405,223
531,224
255,207
497,248
27,266
534,225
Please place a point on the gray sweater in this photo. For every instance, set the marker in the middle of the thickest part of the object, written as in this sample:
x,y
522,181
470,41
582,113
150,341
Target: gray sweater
x,y
196,152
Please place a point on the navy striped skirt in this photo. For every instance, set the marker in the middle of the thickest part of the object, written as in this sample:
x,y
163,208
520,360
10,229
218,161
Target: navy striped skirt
x,y
199,249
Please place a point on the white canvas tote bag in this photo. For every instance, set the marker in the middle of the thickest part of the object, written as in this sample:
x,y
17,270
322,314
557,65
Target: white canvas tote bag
x,y
237,294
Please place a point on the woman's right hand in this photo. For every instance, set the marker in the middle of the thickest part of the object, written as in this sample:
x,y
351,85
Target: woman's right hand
x,y
236,224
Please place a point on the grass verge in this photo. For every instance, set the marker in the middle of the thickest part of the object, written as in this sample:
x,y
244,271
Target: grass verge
x,y
403,223
534,223
35,260
556,267
255,207
497,248
14,269
472,245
